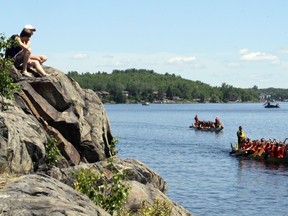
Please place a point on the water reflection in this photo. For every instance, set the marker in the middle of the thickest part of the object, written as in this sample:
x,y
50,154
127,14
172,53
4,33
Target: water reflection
x,y
245,163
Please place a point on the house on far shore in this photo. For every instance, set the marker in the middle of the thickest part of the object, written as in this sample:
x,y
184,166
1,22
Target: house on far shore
x,y
103,94
125,93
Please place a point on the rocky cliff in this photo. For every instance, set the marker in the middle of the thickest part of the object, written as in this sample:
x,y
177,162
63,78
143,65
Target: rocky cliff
x,y
58,106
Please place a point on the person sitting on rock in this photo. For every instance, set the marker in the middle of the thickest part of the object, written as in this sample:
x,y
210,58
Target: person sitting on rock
x,y
20,52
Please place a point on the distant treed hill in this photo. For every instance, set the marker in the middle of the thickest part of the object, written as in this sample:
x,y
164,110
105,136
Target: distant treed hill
x,y
134,86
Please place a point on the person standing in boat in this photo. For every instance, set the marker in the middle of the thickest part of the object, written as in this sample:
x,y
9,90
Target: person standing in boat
x,y
196,120
217,122
240,136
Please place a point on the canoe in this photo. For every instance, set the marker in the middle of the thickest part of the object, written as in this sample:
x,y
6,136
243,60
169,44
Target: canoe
x,y
145,104
212,129
269,105
263,157
272,106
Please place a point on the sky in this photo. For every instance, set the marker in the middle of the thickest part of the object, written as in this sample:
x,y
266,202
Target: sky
x,y
242,43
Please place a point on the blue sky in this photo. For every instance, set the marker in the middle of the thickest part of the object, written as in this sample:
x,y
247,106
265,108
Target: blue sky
x,y
239,42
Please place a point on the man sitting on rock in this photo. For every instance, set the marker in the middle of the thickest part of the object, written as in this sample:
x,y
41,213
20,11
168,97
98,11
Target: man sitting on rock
x,y
20,51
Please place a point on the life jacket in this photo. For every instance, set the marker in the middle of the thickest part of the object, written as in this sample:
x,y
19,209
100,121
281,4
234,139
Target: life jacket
x,y
255,146
273,152
279,152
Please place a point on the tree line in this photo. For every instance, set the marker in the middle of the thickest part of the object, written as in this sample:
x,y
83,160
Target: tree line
x,y
141,85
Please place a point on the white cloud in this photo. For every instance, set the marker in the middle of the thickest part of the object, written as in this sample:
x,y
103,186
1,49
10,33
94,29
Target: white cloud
x,y
179,60
247,55
284,51
243,51
80,56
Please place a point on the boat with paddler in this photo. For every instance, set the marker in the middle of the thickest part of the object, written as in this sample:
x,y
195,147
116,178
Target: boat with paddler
x,y
269,105
276,152
211,128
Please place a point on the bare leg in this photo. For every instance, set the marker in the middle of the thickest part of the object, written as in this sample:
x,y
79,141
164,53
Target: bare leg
x,y
25,63
43,59
40,58
38,67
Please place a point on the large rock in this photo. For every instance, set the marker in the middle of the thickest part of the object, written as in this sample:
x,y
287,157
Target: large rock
x,y
145,184
78,114
57,106
148,194
22,141
42,195
134,169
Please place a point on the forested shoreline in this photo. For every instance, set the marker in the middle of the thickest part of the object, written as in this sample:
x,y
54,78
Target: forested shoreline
x,y
141,85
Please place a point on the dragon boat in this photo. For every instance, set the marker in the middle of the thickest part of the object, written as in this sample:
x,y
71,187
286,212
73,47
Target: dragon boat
x,y
260,155
204,128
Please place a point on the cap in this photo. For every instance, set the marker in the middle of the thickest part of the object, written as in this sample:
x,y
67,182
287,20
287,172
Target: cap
x,y
30,27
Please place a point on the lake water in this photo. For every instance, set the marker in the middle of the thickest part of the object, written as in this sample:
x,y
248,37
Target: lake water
x,y
200,173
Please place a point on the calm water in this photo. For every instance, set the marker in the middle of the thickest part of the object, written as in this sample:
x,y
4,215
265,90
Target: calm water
x,y
201,175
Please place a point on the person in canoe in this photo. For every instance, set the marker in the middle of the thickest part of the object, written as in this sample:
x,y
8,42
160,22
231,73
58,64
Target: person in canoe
x,y
196,121
217,122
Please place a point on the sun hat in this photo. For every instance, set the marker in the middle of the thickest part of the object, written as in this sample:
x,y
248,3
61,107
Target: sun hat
x,y
29,27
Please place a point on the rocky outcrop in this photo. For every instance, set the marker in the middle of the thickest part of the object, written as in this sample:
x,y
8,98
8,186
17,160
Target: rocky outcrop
x,y
21,141
43,195
145,184
58,106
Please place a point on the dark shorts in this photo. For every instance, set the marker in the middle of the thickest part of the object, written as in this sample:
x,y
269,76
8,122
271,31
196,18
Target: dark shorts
x,y
18,59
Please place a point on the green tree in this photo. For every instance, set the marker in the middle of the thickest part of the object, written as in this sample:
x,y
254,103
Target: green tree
x,y
7,87
147,85
109,193
214,98
169,93
117,91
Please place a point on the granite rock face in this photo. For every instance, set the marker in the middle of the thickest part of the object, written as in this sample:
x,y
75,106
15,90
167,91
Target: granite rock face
x,y
57,106
21,141
43,195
